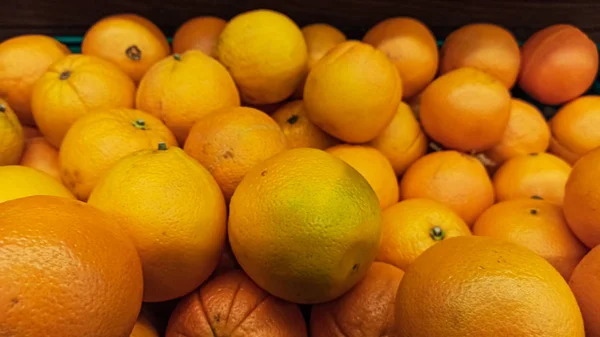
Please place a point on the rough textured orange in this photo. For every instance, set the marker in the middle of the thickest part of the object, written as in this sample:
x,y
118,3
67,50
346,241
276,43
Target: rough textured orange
x,y
585,283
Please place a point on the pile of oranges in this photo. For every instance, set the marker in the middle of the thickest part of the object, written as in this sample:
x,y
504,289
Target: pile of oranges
x,y
254,178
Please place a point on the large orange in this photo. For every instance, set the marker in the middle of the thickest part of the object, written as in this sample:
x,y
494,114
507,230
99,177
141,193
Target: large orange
x,y
305,225
483,46
201,33
481,286
535,174
66,271
23,60
233,305
411,46
367,310
535,224
456,179
40,155
130,41
179,246
229,142
402,141
412,226
299,131
585,283
465,109
74,86
98,140
21,181
173,91
374,166
12,139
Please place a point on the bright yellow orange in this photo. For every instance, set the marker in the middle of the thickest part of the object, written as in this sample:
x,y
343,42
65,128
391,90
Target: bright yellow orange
x,y
299,131
201,33
12,139
21,181
584,283
40,155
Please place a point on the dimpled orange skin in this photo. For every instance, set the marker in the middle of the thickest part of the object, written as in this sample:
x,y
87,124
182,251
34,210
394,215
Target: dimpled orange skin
x,y
89,83
12,139
23,60
455,179
130,41
585,283
66,271
353,92
173,91
485,287
411,46
535,224
536,174
367,310
201,33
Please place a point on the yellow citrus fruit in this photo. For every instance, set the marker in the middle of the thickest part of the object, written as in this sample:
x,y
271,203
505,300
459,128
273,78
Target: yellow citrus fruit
x,y
299,131
22,181
12,141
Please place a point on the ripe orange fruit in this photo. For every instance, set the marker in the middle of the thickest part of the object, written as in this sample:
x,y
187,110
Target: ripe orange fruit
x,y
299,131
402,141
40,155
99,139
487,47
179,247
341,101
584,283
411,46
455,179
374,167
233,305
65,262
11,136
144,328
527,132
30,132
465,109
412,226
367,310
318,231
23,60
536,174
230,141
558,64
130,41
74,86
268,61
453,281
201,33
536,224
21,181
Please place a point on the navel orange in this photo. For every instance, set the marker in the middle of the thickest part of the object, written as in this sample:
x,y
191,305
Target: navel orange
x,y
22,181
298,130
201,33
12,139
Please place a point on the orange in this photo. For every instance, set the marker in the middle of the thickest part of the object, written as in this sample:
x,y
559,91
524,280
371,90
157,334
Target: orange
x,y
66,271
144,328
298,130
229,142
12,139
74,86
23,60
173,91
179,246
374,167
573,128
39,154
304,234
582,199
584,283
30,132
411,46
536,224
455,179
21,181
268,61
465,109
412,226
99,139
402,141
233,305
559,63
201,33
536,174
367,310
353,92
527,132
130,41
484,46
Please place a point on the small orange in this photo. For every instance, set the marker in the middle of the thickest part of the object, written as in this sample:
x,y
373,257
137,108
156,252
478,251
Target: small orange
x,y
412,226
130,41
374,167
144,328
21,181
535,224
535,174
465,109
30,132
456,179
11,136
201,33
23,60
402,141
40,155
299,131
411,46
585,283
